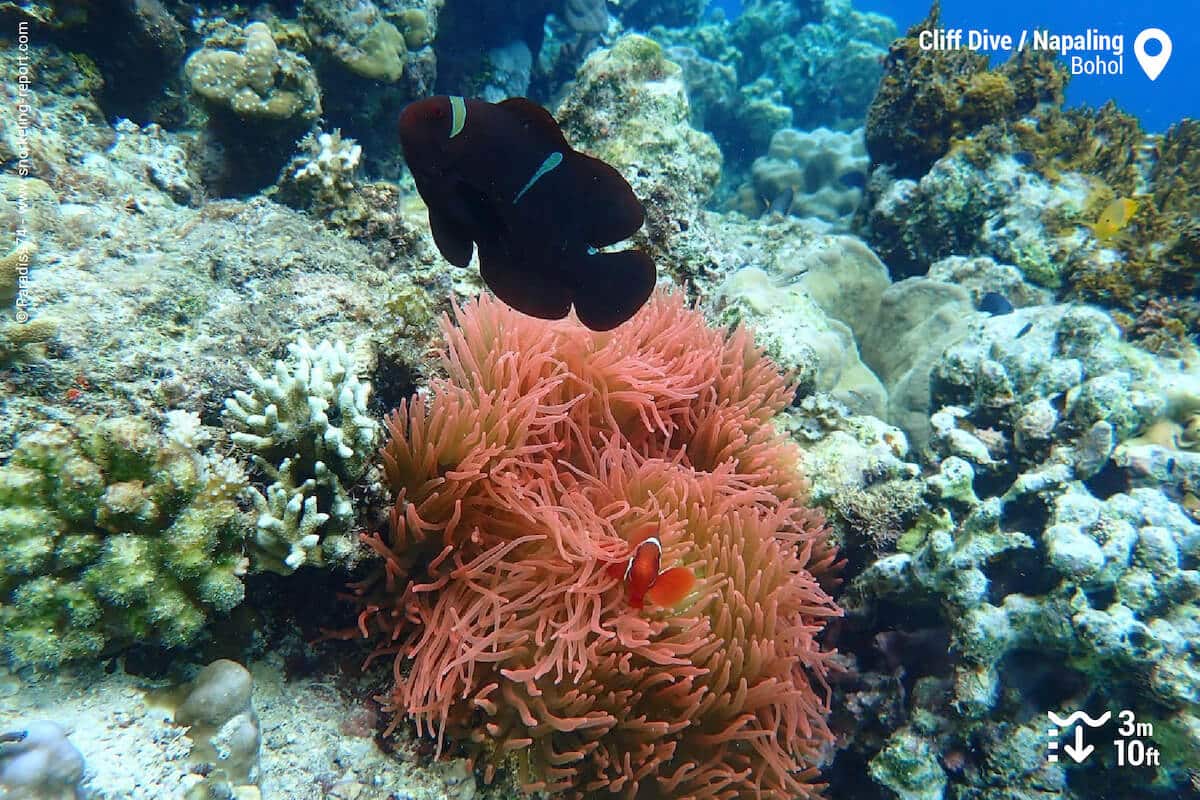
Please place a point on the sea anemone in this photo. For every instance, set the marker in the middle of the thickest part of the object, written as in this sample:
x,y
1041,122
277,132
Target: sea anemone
x,y
521,477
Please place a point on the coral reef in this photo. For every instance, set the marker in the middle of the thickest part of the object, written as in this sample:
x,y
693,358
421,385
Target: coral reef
x,y
125,206
740,118
827,310
976,162
915,321
484,49
248,75
1012,481
259,99
1034,540
310,435
316,742
331,163
520,477
826,63
779,65
1160,247
114,534
357,36
19,330
859,473
982,275
798,334
14,270
964,207
811,174
645,14
930,97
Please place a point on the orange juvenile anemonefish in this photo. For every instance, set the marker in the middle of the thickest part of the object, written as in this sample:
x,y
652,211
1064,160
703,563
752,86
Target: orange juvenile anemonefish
x,y
642,577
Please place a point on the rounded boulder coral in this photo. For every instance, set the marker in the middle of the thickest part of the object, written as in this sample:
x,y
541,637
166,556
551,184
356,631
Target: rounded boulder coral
x,y
521,479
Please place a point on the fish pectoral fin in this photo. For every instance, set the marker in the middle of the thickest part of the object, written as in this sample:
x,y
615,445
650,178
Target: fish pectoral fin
x,y
454,245
536,292
611,287
671,587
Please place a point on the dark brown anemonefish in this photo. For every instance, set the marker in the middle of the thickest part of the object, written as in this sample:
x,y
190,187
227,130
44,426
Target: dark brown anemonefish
x,y
501,179
644,581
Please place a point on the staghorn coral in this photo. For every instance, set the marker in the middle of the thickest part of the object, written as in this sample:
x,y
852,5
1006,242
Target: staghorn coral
x,y
518,480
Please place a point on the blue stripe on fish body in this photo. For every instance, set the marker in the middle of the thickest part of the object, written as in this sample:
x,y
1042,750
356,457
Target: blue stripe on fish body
x,y
552,161
458,115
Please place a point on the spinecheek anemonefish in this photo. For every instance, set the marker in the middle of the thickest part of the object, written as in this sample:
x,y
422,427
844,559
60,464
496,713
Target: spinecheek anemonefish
x,y
643,580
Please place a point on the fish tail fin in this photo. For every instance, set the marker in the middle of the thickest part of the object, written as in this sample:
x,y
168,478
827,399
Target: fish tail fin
x,y
671,587
611,287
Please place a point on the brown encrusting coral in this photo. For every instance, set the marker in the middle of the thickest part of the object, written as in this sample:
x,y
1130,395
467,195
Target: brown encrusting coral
x,y
1154,290
928,98
521,477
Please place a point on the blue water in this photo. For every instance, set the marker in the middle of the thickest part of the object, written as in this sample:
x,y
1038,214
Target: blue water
x,y
1176,92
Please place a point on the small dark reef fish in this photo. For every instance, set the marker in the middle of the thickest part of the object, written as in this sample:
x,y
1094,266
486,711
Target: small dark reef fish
x,y
502,176
995,304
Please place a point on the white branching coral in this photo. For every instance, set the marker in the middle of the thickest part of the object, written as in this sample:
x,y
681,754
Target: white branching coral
x,y
331,161
310,436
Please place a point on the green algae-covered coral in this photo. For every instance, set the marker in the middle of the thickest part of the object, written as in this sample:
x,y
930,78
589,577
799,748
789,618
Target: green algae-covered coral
x,y
308,430
111,533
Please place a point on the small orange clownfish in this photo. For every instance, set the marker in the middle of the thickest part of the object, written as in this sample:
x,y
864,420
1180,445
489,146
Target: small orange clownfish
x,y
642,577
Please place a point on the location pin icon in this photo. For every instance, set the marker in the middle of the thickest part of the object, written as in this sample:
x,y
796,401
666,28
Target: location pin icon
x,y
1152,65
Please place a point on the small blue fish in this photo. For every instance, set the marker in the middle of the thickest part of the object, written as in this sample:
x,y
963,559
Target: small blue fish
x,y
995,304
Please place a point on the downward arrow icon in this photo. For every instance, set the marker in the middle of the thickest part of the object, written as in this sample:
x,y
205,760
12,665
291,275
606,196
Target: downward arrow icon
x,y
1077,751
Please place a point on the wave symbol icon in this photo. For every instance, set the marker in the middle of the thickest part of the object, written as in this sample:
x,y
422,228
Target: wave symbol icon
x,y
1075,716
